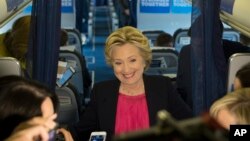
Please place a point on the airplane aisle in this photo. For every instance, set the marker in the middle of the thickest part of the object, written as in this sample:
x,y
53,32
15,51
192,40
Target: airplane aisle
x,y
94,50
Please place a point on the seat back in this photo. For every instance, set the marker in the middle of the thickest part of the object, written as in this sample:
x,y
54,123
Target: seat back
x,y
181,39
236,61
80,105
81,78
170,57
152,35
9,66
164,62
74,38
68,110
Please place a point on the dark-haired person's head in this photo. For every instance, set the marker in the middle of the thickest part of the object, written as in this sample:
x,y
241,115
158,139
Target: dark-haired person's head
x,y
164,40
22,99
64,37
242,77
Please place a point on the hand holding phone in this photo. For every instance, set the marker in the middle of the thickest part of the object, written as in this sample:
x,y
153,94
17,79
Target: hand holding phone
x,y
98,136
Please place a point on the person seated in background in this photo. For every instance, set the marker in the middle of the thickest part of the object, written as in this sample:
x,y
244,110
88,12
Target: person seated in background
x,y
184,75
242,77
131,101
64,38
164,40
21,100
16,40
33,129
233,108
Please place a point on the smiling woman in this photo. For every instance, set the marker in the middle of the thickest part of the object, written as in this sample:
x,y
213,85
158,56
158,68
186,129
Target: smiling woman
x,y
128,67
131,101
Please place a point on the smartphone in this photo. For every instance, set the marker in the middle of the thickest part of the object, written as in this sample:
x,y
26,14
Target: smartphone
x,y
52,134
98,136
65,77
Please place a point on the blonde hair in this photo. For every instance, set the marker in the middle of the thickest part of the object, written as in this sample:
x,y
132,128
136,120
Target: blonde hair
x,y
237,103
128,35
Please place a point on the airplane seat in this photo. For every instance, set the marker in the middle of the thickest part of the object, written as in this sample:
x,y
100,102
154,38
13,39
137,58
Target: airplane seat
x,y
74,38
68,110
181,38
78,98
164,62
152,35
170,56
9,66
81,78
236,61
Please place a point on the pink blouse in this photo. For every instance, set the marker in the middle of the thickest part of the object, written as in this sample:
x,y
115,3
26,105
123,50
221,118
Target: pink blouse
x,y
131,114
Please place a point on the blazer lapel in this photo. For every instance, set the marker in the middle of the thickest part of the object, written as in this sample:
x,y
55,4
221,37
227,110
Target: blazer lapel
x,y
108,108
154,101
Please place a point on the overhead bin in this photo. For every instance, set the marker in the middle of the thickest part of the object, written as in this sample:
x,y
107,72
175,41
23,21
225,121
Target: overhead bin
x,y
236,14
10,8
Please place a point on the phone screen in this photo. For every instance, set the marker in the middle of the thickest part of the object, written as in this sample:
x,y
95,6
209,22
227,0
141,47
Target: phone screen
x,y
65,77
52,134
97,138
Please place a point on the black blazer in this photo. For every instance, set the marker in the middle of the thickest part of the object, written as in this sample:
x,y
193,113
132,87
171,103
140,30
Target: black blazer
x,y
184,75
101,113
